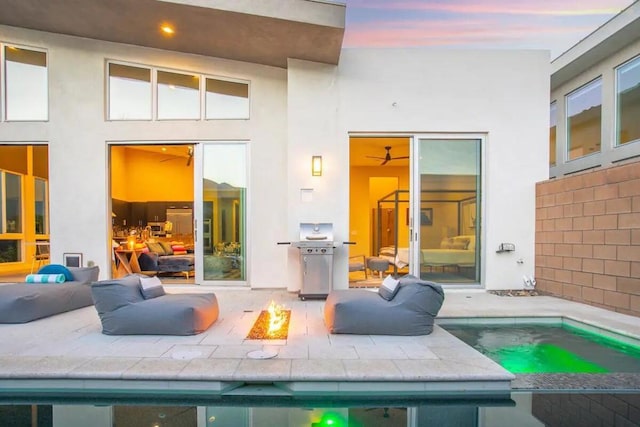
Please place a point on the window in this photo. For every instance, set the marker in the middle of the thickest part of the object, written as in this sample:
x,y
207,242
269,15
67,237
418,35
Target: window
x,y
584,124
226,100
178,96
129,93
628,102
133,90
553,121
41,219
25,84
12,203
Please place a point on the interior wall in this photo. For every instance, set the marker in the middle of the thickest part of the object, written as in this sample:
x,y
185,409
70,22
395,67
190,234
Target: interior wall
x,y
144,176
367,184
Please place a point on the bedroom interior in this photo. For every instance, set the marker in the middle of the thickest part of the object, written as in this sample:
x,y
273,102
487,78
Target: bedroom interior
x,y
379,216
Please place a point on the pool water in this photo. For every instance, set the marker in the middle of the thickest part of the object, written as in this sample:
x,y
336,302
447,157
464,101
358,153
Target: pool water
x,y
549,348
518,409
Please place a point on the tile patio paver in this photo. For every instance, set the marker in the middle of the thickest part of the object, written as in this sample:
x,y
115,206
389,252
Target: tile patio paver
x,y
71,346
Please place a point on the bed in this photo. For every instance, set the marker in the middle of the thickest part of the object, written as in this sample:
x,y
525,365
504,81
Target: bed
x,y
457,251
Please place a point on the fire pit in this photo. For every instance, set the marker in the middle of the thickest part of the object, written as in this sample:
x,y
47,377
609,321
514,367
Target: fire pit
x,y
272,324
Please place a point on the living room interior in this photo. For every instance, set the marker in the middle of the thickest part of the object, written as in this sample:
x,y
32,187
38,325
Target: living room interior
x,y
152,200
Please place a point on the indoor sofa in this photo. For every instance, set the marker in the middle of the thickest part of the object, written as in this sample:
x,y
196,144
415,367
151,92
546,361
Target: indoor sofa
x,y
162,259
24,302
409,309
126,307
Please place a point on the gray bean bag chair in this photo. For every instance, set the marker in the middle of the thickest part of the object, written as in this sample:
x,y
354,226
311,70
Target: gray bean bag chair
x,y
24,302
125,308
410,312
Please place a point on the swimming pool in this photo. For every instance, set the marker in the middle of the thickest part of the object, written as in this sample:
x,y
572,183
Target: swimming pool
x,y
549,345
517,409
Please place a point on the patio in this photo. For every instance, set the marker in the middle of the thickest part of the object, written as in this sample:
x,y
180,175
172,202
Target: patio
x,y
68,352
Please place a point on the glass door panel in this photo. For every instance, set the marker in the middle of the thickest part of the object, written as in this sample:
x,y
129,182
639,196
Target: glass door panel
x,y
446,224
221,217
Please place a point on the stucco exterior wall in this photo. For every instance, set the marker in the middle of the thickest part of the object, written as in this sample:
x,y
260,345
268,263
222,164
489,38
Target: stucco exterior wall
x,y
588,238
77,134
502,95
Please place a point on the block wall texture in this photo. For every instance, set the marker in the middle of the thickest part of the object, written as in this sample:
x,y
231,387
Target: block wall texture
x,y
587,409
588,238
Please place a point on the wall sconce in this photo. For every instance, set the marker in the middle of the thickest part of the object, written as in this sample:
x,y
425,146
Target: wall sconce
x,y
316,166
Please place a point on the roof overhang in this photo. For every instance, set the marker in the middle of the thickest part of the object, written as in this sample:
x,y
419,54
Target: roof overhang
x,y
264,32
618,32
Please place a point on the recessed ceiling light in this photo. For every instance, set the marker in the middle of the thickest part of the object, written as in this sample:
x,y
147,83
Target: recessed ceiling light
x,y
167,30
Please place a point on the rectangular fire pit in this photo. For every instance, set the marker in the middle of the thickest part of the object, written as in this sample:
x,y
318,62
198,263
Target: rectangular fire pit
x,y
272,324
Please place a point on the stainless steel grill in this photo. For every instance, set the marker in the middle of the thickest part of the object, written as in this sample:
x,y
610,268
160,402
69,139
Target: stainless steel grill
x,y
316,247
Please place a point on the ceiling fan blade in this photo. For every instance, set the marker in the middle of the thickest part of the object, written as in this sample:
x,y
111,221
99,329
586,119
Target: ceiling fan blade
x,y
401,157
384,162
376,157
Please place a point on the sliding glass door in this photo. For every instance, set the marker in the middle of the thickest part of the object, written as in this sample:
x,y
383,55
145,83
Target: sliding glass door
x,y
221,183
446,209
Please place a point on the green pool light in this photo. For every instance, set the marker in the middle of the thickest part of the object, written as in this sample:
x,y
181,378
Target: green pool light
x,y
330,419
543,358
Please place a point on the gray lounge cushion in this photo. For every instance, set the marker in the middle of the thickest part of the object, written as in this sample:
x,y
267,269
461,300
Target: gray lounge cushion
x,y
123,310
24,302
410,312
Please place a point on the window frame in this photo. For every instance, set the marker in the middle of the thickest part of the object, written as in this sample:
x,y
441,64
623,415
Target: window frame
x,y
3,83
154,92
616,104
107,84
567,146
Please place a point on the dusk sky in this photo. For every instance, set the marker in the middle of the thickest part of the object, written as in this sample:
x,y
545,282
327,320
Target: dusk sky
x,y
555,25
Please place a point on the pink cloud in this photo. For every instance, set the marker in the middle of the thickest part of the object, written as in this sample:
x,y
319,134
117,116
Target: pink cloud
x,y
526,7
439,33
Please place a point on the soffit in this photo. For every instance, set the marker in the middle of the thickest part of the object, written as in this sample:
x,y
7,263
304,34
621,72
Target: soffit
x,y
620,31
245,30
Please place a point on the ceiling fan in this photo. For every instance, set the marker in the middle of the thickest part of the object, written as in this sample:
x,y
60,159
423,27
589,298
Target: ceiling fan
x,y
189,156
387,158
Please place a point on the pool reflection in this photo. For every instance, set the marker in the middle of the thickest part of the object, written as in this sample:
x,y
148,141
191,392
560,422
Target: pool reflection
x,y
518,409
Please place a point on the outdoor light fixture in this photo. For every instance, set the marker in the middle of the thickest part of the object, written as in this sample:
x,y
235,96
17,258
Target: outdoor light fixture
x,y
316,166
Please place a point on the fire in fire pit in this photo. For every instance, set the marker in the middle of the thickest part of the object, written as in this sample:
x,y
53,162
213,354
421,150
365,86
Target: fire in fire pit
x,y
272,324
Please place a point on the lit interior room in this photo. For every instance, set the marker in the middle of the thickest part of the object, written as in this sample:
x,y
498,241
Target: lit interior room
x,y
24,210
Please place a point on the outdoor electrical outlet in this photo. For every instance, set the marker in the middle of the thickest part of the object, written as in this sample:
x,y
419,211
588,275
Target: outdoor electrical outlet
x,y
506,247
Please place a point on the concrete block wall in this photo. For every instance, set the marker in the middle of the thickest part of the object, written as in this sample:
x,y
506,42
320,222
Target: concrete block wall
x,y
586,409
588,237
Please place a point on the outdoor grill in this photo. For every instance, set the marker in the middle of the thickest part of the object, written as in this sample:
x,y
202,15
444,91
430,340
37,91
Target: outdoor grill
x,y
316,247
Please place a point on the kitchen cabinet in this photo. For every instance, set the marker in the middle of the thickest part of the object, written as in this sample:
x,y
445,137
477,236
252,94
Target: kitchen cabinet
x,y
156,211
138,214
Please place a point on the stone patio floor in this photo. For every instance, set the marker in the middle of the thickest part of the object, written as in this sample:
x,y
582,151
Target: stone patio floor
x,y
69,352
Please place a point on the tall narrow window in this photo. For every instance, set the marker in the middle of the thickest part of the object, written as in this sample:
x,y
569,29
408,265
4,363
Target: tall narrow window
x,y
178,96
26,84
628,102
553,122
584,124
227,100
41,220
13,203
129,92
